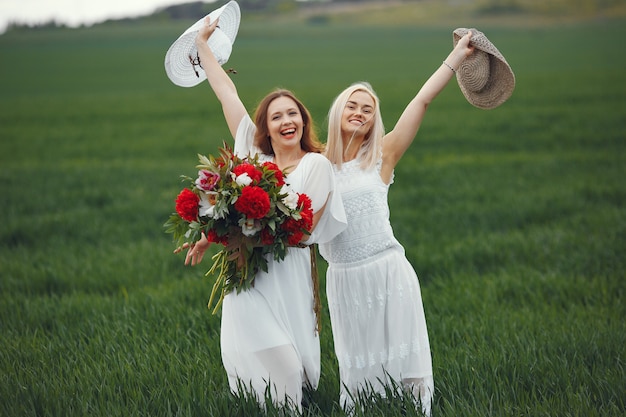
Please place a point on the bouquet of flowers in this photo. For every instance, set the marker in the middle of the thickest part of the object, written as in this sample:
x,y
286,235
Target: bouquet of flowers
x,y
245,206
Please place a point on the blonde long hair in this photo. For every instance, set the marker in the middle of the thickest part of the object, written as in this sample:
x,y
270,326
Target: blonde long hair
x,y
371,147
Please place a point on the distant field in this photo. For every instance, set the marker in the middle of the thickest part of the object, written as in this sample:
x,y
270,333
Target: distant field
x,y
514,218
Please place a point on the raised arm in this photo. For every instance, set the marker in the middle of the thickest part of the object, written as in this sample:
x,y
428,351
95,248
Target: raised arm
x,y
220,82
398,140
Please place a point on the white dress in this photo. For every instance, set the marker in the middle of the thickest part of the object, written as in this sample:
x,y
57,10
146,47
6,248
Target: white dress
x,y
268,333
374,297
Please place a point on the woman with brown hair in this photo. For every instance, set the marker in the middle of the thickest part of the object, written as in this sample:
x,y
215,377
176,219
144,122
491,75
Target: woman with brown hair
x,y
269,338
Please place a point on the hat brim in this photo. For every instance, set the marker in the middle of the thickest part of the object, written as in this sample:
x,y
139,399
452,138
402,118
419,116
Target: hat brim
x,y
181,58
496,79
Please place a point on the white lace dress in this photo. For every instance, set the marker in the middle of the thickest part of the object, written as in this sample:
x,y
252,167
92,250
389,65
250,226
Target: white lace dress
x,y
374,297
268,333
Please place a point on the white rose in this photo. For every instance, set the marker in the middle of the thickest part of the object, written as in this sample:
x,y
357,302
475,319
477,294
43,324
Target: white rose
x,y
291,199
206,208
243,180
250,227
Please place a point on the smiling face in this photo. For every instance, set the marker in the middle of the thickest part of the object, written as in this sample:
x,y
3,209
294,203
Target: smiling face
x,y
358,113
284,122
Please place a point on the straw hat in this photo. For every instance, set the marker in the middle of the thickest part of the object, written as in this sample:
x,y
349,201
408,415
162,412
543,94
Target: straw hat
x,y
485,78
182,64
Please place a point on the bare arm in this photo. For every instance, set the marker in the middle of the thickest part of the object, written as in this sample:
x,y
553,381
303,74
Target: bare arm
x,y
233,109
317,216
220,82
397,141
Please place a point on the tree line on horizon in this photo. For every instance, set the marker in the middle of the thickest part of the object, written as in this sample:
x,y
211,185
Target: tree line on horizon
x,y
195,10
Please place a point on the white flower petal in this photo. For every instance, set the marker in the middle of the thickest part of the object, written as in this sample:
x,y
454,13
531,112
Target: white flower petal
x,y
250,227
243,180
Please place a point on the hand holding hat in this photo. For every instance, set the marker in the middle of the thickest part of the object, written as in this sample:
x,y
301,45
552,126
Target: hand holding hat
x,y
205,31
462,49
484,77
181,60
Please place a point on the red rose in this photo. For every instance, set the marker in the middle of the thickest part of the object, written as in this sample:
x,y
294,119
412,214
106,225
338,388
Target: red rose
x,y
246,168
187,205
304,202
267,238
277,172
254,202
306,222
294,229
290,225
295,238
213,237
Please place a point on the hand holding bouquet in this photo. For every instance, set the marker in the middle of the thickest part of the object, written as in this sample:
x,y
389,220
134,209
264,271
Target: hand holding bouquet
x,y
247,207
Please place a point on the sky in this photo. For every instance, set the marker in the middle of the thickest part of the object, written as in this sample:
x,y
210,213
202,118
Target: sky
x,y
76,12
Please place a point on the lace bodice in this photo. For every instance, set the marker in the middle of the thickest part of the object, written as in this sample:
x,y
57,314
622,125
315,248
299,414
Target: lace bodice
x,y
369,231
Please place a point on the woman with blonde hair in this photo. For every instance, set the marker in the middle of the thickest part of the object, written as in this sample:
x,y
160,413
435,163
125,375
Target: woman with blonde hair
x,y
374,297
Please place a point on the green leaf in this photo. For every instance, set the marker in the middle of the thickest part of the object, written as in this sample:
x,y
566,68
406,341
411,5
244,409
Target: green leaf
x,y
282,207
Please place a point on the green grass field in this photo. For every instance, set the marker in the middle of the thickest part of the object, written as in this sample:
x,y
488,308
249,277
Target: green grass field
x,y
514,218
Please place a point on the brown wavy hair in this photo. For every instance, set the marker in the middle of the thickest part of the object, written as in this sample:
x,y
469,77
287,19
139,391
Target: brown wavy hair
x,y
309,141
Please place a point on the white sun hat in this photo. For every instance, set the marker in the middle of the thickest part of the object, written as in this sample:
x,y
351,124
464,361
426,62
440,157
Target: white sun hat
x,y
182,64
